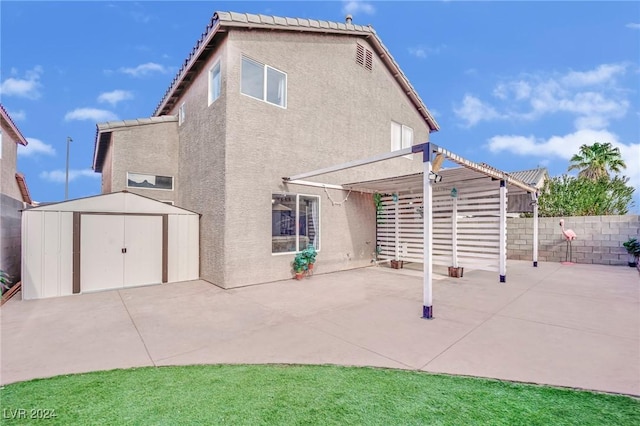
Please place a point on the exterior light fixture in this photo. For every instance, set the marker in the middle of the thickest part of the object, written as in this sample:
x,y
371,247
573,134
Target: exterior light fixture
x,y
435,177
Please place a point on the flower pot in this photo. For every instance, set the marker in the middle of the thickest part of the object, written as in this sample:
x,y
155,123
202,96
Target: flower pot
x,y
397,264
299,275
310,266
456,272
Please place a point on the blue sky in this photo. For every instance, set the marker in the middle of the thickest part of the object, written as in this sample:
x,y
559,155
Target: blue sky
x,y
513,84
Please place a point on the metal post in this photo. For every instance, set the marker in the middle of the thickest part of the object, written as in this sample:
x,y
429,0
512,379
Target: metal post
x,y
66,181
427,236
535,234
503,231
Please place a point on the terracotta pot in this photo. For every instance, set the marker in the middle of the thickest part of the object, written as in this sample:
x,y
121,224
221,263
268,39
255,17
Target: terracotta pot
x,y
397,264
310,266
456,272
299,275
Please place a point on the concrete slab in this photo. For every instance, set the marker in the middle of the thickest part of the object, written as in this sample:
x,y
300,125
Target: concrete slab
x,y
576,326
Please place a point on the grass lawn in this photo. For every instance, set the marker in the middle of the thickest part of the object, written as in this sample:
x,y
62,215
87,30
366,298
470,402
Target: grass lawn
x,y
282,395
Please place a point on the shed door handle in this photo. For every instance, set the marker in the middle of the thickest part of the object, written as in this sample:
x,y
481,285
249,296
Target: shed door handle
x,y
124,250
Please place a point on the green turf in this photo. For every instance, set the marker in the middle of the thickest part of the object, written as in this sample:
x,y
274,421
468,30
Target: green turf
x,y
304,395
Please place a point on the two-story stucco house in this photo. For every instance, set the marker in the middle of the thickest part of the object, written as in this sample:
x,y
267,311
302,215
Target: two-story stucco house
x,y
14,195
259,98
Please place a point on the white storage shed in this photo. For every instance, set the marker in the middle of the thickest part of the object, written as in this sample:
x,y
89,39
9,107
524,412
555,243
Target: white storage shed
x,y
105,242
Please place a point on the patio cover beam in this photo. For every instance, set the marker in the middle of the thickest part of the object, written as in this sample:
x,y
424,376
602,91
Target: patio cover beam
x,y
351,164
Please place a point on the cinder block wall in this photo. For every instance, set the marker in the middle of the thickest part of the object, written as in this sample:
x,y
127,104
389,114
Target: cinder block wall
x,y
599,238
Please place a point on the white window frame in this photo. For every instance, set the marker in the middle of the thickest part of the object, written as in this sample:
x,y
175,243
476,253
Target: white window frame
x,y
214,96
173,182
404,142
181,114
265,68
297,225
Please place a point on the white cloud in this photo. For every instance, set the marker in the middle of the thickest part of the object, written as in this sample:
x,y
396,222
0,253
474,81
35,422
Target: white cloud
x,y
145,69
59,176
633,26
593,97
424,51
115,96
23,87
18,115
602,74
473,110
519,90
566,146
35,147
92,114
356,6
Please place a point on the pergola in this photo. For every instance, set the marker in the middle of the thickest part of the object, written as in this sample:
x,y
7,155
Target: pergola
x,y
440,216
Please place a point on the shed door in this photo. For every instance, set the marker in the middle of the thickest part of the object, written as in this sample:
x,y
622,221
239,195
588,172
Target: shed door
x,y
118,251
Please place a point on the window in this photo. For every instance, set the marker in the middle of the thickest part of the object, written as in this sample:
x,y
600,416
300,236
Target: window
x,y
295,222
214,83
263,82
139,180
0,143
401,137
181,115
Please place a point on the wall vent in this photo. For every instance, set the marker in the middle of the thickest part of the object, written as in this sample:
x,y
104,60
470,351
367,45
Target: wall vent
x,y
364,57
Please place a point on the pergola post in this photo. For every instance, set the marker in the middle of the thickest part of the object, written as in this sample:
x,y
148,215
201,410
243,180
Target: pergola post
x,y
535,234
427,234
396,221
503,231
454,233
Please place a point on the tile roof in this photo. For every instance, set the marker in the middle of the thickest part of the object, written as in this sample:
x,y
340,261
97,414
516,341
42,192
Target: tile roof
x,y
8,123
534,177
248,20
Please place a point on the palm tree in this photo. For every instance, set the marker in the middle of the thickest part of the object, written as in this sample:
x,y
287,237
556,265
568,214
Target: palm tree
x,y
595,161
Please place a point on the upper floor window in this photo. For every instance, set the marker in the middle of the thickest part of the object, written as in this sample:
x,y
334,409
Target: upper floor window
x,y
401,136
263,82
214,83
139,180
181,113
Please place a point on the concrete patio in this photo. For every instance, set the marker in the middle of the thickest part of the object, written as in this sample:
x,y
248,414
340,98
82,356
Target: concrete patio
x,y
575,326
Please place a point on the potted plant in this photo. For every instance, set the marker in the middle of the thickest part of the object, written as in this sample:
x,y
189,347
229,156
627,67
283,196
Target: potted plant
x,y
632,245
300,265
5,281
310,254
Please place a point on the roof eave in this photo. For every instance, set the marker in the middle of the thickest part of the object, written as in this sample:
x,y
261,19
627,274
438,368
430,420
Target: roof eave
x,y
14,132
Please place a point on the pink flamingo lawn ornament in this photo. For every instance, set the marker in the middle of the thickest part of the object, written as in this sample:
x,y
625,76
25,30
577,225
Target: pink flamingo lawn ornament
x,y
569,236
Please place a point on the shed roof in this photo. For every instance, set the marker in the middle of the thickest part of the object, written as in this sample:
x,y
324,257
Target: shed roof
x,y
115,202
222,21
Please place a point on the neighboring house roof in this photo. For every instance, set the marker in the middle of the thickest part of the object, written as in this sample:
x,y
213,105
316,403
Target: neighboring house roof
x,y
24,190
222,20
533,177
12,129
103,135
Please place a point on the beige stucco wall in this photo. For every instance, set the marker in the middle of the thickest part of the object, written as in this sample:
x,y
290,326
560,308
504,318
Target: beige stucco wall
x,y
149,149
8,183
234,153
107,171
10,209
201,184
